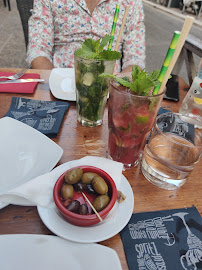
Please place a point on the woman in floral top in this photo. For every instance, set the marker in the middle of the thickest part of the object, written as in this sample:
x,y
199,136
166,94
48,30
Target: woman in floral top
x,y
58,27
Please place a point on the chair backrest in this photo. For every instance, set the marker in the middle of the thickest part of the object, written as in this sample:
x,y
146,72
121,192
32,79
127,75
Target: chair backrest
x,y
24,7
191,47
191,50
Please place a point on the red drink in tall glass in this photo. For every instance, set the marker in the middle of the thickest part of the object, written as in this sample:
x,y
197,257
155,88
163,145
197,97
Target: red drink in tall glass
x,y
130,120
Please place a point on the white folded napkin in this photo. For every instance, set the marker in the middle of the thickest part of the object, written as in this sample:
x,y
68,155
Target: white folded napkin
x,y
39,191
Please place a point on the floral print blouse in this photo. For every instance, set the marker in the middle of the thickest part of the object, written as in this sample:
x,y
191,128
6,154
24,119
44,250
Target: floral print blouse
x,y
58,27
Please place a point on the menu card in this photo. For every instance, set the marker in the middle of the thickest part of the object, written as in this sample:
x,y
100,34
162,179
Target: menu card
x,y
45,116
164,240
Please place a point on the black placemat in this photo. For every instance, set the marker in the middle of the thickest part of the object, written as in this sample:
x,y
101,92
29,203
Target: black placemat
x,y
166,240
45,116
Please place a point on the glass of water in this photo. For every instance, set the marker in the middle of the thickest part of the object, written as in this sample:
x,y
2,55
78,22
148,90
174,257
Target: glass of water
x,y
173,150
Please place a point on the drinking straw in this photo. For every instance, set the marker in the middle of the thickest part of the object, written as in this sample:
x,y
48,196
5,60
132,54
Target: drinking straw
x,y
185,30
167,60
116,14
122,26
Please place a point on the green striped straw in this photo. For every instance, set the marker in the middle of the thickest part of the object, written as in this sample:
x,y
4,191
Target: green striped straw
x,y
116,14
167,60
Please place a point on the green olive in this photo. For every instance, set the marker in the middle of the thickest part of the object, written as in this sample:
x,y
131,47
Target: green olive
x,y
73,176
101,202
67,191
88,177
99,185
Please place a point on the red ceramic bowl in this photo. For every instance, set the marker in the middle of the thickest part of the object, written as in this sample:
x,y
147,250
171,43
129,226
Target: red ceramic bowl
x,y
85,220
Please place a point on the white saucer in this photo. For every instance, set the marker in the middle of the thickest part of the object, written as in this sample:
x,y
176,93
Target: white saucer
x,y
100,232
62,83
45,252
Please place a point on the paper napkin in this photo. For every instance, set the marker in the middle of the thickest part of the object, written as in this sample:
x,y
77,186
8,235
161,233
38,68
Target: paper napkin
x,y
39,191
26,88
44,116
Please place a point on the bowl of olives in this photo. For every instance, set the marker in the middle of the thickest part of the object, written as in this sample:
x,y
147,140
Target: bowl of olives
x,y
98,187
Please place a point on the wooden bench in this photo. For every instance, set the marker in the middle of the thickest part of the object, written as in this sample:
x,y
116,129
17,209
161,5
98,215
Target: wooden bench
x,y
192,45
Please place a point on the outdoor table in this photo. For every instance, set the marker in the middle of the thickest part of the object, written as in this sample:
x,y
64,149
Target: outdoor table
x,y
78,141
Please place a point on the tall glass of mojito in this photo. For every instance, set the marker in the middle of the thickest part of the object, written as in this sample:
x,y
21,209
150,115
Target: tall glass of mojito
x,y
132,111
92,90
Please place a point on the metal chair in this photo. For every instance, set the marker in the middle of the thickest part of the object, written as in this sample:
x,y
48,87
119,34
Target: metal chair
x,y
24,7
9,5
192,46
195,6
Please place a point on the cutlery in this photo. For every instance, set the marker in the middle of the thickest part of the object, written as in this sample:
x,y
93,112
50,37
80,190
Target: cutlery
x,y
22,81
16,76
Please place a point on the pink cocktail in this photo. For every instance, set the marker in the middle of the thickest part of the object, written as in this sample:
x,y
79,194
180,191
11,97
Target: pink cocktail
x,y
130,120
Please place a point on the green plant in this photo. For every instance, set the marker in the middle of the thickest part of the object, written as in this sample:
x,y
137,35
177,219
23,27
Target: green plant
x,y
94,49
141,83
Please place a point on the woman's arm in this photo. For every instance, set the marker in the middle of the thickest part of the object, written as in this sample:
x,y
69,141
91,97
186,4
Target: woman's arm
x,y
41,35
41,62
127,69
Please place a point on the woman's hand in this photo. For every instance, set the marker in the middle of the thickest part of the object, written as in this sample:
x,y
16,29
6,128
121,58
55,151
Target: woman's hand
x,y
127,69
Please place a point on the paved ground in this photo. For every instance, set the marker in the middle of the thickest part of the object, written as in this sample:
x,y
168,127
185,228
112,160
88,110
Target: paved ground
x,y
175,11
12,45
160,26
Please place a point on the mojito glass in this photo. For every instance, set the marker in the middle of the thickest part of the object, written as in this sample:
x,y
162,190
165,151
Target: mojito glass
x,y
91,90
130,119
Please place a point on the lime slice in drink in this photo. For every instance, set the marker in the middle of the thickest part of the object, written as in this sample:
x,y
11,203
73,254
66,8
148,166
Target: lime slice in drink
x,y
143,119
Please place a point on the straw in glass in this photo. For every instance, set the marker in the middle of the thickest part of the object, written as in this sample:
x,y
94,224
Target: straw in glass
x,y
185,31
122,26
167,60
116,14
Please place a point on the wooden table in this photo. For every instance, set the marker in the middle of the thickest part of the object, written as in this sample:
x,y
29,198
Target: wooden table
x,y
77,142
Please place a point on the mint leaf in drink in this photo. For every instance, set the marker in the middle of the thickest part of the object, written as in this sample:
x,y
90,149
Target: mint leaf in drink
x,y
109,55
94,49
104,42
125,78
136,71
141,83
119,80
154,76
89,45
85,54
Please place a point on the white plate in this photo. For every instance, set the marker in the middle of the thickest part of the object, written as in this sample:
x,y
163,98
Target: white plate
x,y
62,83
100,232
45,252
25,153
